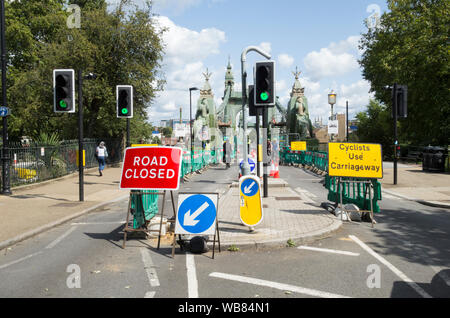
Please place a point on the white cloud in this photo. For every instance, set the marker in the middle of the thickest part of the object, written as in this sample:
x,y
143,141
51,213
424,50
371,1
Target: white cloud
x,y
335,60
285,60
265,46
186,46
183,66
357,94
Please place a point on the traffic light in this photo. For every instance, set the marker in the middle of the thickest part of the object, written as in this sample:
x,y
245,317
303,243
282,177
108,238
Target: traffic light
x,y
402,101
265,84
401,96
64,91
124,98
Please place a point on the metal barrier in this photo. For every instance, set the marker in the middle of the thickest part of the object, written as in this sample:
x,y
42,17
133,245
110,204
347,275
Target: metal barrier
x,y
34,163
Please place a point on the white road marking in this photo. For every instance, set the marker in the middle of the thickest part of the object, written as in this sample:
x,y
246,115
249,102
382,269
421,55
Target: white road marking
x,y
425,255
59,239
191,276
150,294
149,267
394,269
284,287
19,260
326,250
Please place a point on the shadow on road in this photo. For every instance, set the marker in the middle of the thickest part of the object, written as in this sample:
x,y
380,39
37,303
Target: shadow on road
x,y
436,289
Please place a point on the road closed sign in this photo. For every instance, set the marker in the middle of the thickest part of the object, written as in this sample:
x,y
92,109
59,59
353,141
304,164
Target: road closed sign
x,y
250,206
151,168
355,160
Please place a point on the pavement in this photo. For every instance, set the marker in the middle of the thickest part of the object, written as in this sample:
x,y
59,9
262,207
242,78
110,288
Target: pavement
x,y
287,215
414,184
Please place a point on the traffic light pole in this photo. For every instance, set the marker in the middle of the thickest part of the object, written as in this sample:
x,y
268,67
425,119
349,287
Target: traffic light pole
x,y
6,189
265,116
245,164
258,158
394,106
128,133
80,136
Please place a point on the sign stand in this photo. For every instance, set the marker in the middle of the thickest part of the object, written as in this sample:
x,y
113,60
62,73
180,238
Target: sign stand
x,y
145,230
369,187
216,232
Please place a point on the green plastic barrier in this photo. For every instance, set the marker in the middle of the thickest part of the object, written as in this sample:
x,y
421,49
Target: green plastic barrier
x,y
145,207
356,193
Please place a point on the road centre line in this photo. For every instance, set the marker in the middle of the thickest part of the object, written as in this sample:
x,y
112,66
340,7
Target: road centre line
x,y
59,239
191,276
20,260
280,286
149,267
326,250
394,269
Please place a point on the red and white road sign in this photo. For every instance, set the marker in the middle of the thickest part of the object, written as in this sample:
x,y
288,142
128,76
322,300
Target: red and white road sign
x,y
151,168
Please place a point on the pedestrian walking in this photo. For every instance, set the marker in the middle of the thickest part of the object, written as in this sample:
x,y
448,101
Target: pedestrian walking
x,y
227,153
101,154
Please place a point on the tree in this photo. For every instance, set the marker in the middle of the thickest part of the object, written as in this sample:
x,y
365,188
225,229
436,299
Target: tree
x,y
375,125
411,47
120,47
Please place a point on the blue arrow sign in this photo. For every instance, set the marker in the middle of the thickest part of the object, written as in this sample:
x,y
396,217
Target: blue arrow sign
x,y
249,187
4,111
196,214
251,163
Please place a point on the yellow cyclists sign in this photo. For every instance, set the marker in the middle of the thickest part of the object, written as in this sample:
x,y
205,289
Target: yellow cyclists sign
x,y
355,160
298,145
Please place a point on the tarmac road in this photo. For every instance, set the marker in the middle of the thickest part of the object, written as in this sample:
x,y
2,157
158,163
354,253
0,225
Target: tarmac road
x,y
407,254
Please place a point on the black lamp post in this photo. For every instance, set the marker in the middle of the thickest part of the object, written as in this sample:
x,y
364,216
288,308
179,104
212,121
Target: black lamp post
x,y
6,189
191,124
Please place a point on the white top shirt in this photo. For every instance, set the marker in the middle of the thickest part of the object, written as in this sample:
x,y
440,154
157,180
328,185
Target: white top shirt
x,y
101,151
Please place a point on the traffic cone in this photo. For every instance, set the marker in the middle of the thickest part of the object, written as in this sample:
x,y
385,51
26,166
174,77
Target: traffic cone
x,y
272,170
277,172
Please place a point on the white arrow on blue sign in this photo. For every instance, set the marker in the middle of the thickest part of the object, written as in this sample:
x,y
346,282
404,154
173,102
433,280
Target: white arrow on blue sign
x,y
196,214
4,111
249,187
250,162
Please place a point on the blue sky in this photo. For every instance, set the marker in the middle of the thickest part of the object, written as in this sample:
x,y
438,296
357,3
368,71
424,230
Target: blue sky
x,y
319,37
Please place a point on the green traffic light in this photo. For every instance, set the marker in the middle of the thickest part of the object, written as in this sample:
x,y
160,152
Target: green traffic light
x,y
63,104
264,96
124,111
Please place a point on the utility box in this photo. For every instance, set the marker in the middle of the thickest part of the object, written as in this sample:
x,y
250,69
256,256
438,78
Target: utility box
x,y
434,159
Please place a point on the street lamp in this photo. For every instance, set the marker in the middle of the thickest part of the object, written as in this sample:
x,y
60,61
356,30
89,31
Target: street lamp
x,y
332,101
191,124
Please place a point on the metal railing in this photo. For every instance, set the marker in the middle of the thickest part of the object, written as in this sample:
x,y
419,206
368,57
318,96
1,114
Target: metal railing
x,y
33,163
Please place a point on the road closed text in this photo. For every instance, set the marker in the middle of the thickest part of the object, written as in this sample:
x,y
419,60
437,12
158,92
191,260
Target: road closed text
x,y
149,167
